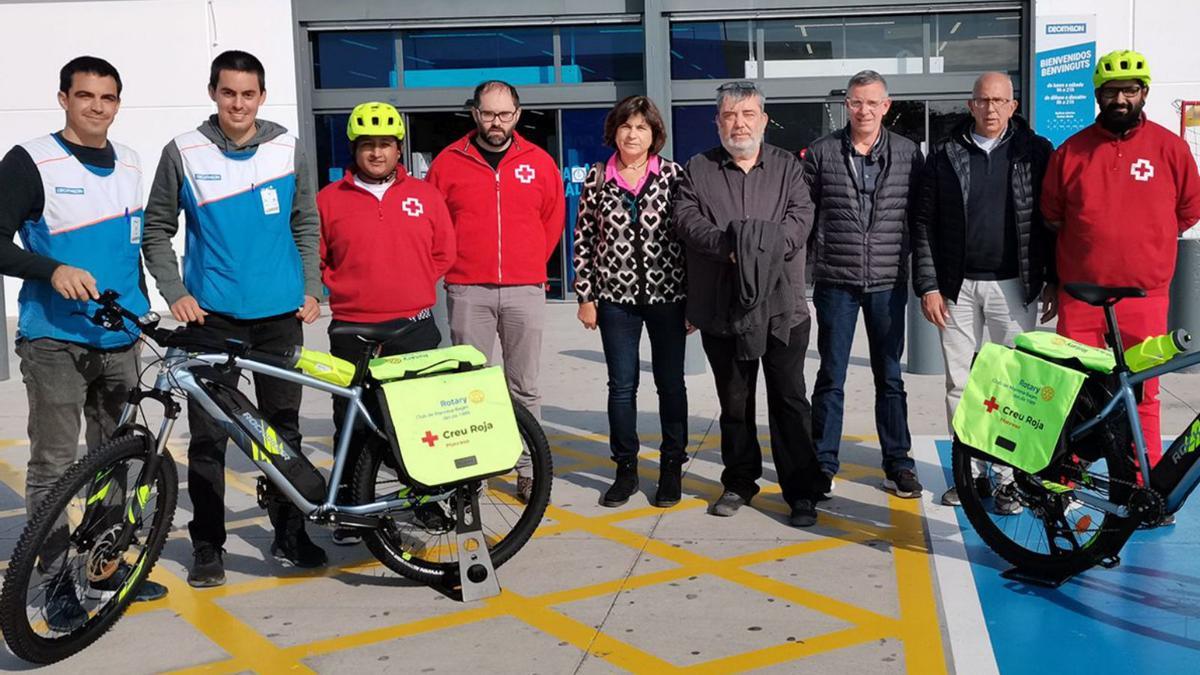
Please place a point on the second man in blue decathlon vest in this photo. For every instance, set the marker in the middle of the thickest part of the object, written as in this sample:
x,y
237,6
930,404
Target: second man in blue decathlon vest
x,y
250,272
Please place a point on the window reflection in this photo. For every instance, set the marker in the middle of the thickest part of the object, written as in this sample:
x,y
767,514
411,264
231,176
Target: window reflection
x,y
720,50
354,59
464,58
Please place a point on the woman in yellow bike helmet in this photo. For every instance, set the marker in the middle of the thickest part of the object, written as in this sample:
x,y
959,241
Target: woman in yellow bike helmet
x,y
386,240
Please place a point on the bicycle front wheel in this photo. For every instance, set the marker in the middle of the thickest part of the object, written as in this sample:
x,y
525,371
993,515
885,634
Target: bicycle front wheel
x,y
420,543
86,550
1037,522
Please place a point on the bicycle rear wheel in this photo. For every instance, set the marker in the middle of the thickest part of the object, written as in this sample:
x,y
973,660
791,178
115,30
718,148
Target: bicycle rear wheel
x,y
420,543
69,578
1052,532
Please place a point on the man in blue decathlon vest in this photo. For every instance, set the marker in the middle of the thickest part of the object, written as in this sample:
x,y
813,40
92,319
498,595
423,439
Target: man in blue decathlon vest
x,y
250,273
76,200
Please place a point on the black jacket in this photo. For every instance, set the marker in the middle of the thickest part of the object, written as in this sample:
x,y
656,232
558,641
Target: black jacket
x,y
846,251
765,297
940,220
718,193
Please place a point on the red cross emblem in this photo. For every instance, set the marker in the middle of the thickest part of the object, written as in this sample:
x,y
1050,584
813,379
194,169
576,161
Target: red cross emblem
x,y
990,404
525,173
413,207
1142,170
430,438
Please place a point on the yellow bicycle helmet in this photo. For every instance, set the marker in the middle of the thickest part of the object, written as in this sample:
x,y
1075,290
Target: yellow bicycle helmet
x,y
375,119
1123,64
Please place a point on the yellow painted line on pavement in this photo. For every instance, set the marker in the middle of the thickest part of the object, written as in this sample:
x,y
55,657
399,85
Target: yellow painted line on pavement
x,y
923,649
582,636
247,646
788,651
385,634
12,477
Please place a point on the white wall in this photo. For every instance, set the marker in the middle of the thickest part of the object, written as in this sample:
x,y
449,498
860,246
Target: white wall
x,y
1166,31
162,49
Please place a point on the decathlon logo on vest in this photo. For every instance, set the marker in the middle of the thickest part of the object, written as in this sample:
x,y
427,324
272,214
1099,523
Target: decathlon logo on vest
x,y
206,176
525,173
1142,170
68,190
413,207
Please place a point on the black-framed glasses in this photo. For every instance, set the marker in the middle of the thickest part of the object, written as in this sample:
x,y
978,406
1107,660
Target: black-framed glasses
x,y
1110,93
504,116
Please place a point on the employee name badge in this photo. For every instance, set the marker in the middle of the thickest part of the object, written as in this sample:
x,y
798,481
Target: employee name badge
x,y
135,229
270,201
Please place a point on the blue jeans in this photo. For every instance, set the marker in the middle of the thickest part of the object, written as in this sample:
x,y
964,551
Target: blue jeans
x,y
837,314
621,333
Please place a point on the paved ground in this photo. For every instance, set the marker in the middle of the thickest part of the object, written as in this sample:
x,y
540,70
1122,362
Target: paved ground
x,y
609,590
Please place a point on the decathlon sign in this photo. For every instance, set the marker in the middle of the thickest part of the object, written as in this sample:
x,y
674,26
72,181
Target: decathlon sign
x,y
1064,101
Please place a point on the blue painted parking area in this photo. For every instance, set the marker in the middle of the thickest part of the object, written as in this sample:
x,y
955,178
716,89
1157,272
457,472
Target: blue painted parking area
x,y
1142,616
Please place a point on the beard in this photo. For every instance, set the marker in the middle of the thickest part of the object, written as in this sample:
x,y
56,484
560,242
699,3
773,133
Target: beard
x,y
742,149
1119,117
495,136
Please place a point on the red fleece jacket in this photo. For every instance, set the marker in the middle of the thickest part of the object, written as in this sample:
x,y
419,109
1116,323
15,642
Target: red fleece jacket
x,y
508,221
1121,203
381,260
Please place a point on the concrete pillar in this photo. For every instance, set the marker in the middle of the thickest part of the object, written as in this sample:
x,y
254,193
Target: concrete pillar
x,y
924,345
1185,289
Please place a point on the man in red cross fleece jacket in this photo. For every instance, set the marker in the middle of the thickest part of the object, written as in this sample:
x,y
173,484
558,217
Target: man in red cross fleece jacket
x,y
1119,193
506,197
386,240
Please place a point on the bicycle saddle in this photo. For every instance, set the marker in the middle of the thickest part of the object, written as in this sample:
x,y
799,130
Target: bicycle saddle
x,y
1100,296
377,333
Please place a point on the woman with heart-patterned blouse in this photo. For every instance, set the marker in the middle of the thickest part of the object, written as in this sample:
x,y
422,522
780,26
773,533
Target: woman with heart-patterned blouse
x,y
629,272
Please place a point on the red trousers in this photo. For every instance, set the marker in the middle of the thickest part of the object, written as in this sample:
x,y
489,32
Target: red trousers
x,y
1137,319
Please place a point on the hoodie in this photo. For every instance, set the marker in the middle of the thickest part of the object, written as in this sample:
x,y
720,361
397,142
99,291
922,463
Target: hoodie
x,y
252,236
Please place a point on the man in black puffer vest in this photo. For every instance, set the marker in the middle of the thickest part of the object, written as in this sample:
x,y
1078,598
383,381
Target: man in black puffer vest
x,y
863,179
982,254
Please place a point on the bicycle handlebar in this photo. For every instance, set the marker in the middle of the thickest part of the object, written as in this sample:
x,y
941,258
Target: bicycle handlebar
x,y
112,316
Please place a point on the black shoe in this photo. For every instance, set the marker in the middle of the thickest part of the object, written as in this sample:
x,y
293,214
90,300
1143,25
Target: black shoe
x,y
208,567
670,477
903,483
624,485
727,505
147,591
432,517
346,536
298,551
62,610
826,488
524,489
804,514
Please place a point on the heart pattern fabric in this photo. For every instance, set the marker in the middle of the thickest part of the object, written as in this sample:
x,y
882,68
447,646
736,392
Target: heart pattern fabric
x,y
626,250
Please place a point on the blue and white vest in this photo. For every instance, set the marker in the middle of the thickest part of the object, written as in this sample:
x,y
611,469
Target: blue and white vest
x,y
240,258
90,221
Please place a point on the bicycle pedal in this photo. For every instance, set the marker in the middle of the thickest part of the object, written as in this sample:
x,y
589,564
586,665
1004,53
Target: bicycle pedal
x,y
1109,562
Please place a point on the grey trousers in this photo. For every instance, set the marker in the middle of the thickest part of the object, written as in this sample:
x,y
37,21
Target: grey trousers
x,y
517,314
62,380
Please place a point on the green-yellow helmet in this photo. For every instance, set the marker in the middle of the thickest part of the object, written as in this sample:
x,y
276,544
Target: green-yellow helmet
x,y
375,119
1123,64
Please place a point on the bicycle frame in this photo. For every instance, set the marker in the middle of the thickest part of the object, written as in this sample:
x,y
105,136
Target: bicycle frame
x,y
176,375
1126,401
